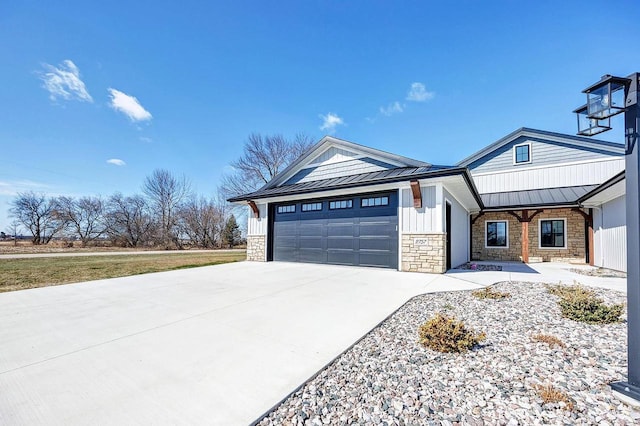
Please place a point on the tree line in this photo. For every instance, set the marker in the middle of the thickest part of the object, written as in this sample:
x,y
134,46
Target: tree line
x,y
167,213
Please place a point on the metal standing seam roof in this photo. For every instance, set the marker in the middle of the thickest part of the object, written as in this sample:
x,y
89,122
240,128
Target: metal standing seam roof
x,y
536,197
377,177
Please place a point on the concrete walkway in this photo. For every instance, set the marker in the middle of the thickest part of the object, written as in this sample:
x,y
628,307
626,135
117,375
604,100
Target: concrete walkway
x,y
212,345
547,272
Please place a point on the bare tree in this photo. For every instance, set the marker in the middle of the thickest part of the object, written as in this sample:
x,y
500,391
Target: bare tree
x,y
129,220
13,228
38,215
262,159
84,217
202,221
165,193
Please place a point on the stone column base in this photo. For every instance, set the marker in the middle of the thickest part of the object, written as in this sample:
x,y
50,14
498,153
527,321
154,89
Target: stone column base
x,y
424,253
257,248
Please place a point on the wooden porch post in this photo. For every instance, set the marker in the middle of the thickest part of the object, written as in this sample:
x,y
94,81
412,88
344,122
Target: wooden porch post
x,y
525,236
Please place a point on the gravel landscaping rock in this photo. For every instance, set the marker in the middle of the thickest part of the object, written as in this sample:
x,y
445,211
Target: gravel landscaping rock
x,y
471,266
599,272
389,379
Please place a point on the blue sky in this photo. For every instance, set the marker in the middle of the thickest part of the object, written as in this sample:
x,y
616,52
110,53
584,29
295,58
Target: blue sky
x,y
180,85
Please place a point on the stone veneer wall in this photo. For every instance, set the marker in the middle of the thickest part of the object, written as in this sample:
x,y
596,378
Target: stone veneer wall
x,y
256,248
429,257
575,235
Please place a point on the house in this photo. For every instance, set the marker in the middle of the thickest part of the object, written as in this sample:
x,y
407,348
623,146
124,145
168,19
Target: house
x,y
531,183
520,198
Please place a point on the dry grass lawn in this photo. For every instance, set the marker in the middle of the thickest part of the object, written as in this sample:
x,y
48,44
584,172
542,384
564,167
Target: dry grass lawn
x,y
19,274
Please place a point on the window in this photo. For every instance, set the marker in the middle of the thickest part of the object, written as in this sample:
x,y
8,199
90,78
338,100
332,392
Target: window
x,y
291,208
374,201
522,153
311,207
342,204
552,233
497,233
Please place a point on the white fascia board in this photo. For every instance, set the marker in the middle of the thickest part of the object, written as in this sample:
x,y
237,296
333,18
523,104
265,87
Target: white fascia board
x,y
614,191
333,193
458,188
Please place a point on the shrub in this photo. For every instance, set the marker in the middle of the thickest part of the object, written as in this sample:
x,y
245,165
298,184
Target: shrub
x,y
549,394
489,293
548,339
447,334
580,304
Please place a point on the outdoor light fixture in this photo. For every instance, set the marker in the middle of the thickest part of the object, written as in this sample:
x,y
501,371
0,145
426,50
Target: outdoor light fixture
x,y
590,126
606,98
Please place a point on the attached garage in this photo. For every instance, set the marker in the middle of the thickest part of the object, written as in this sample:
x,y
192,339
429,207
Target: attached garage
x,y
359,230
347,204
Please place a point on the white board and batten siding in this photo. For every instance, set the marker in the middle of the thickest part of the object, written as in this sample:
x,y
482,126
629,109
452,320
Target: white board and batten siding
x,y
610,235
258,226
423,220
459,231
593,172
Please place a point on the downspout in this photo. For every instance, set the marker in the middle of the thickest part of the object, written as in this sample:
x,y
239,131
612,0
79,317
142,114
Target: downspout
x,y
600,229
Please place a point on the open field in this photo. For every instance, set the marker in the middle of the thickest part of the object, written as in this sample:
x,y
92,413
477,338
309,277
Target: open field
x,y
19,274
26,247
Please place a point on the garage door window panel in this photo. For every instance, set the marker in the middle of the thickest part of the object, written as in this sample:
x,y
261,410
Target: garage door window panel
x,y
340,204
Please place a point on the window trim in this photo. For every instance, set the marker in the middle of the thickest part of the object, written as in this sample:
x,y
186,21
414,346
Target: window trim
x,y
311,203
515,162
362,198
486,225
339,200
564,219
286,205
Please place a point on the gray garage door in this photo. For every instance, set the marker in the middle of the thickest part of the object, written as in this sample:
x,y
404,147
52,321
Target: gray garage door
x,y
359,230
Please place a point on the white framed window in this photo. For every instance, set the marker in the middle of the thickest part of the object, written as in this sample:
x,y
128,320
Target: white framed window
x,y
496,234
552,233
522,153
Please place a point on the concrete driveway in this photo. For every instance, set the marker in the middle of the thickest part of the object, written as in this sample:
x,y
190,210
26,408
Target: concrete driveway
x,y
212,345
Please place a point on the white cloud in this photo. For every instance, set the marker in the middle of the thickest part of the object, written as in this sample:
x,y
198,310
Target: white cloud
x,y
64,82
392,108
330,122
13,187
145,139
128,105
418,93
116,162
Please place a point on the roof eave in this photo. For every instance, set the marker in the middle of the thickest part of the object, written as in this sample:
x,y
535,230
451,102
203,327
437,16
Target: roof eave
x,y
431,174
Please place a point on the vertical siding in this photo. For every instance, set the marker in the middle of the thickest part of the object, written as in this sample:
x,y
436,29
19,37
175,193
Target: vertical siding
x,y
459,232
258,226
543,153
610,235
592,173
422,220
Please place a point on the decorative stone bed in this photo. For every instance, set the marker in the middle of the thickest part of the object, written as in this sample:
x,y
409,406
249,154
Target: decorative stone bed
x,y
388,378
471,266
599,272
